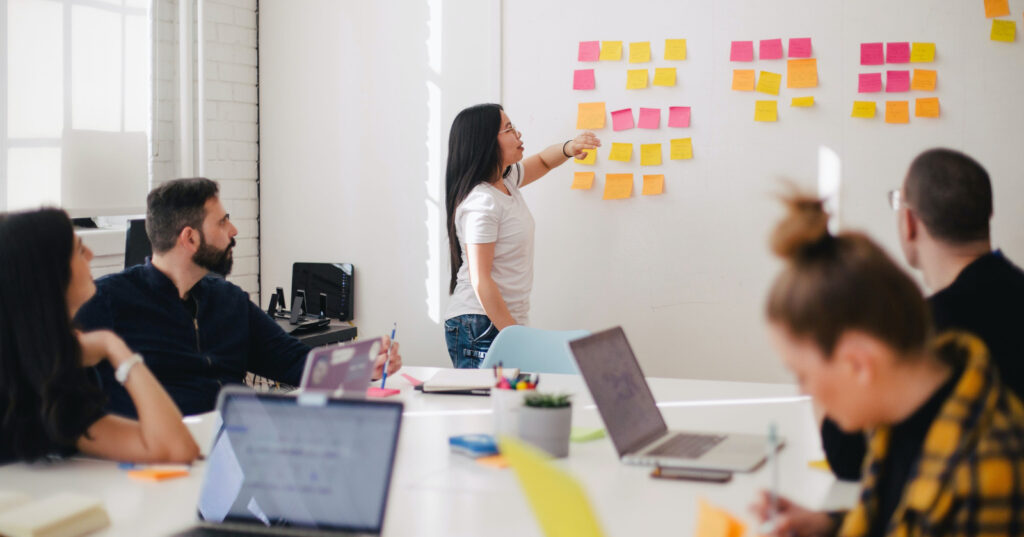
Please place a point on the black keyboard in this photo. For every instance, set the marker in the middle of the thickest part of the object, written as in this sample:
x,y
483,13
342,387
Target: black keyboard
x,y
686,445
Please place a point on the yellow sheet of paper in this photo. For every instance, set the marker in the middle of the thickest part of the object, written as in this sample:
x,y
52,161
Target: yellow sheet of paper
x,y
611,50
802,102
864,109
640,52
618,186
583,180
820,464
997,8
681,149
556,498
715,522
650,154
769,83
766,111
665,76
636,79
743,79
621,152
926,107
922,52
590,116
591,157
653,185
675,49
923,79
802,73
897,111
1005,31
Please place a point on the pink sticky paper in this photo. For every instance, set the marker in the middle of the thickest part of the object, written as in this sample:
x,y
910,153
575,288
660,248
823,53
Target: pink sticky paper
x,y
897,53
374,391
412,380
622,119
771,49
590,51
742,51
800,47
650,118
872,54
679,116
870,83
583,79
897,81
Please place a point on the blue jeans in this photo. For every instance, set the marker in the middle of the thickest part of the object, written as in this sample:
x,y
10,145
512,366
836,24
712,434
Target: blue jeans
x,y
468,337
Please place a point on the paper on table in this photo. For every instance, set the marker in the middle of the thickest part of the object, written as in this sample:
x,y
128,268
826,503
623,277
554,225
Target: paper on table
x,y
493,461
820,464
611,50
653,185
802,73
679,116
924,79
618,186
766,111
640,52
650,118
636,79
800,47
412,380
587,434
583,180
1005,31
997,8
863,109
590,157
622,119
770,49
922,52
871,54
743,79
802,102
158,474
665,76
897,112
769,82
590,51
742,51
715,522
926,107
896,81
869,82
590,116
375,391
675,49
583,79
681,149
621,152
650,154
897,52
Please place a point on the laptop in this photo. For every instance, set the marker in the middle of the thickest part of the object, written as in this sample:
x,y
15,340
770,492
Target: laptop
x,y
304,465
634,422
342,370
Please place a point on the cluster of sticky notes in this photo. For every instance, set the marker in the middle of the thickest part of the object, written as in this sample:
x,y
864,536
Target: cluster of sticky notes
x,y
1002,30
900,52
639,52
897,80
801,72
650,118
619,186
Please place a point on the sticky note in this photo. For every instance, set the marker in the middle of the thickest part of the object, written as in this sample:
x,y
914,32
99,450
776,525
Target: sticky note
x,y
766,111
820,464
897,52
715,522
869,82
922,52
636,79
611,50
926,107
863,109
924,80
650,154
586,434
675,49
412,380
679,116
589,157
158,474
743,79
769,82
622,119
802,102
802,73
800,47
583,79
897,112
621,152
871,54
640,52
493,461
618,186
770,49
665,76
1005,31
896,81
681,149
653,185
997,8
374,391
650,118
590,51
583,180
742,51
590,116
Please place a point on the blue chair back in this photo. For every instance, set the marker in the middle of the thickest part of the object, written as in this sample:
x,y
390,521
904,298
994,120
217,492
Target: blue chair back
x,y
533,350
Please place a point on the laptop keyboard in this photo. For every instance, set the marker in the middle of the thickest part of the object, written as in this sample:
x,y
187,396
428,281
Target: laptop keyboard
x,y
686,445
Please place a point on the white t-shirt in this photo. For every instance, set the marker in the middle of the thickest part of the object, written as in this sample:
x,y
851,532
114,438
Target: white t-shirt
x,y
489,215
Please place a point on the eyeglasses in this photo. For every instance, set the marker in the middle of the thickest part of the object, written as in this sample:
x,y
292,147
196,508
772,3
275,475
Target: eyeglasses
x,y
896,201
511,128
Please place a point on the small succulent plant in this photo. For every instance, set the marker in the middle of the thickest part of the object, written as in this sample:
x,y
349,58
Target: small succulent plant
x,y
547,400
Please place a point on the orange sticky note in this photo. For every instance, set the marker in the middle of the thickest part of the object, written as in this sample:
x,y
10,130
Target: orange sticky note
x,y
650,154
926,107
997,8
863,109
802,73
675,49
922,52
665,76
653,185
590,116
766,111
715,522
157,474
611,50
493,461
769,83
590,157
743,79
636,79
924,79
681,149
897,112
583,180
618,186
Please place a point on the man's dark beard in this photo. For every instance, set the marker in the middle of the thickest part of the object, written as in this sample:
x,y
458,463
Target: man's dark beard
x,y
212,259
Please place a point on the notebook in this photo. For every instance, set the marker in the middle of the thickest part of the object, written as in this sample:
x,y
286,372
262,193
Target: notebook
x,y
63,515
464,381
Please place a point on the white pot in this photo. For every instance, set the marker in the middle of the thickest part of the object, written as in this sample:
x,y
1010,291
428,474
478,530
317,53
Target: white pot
x,y
506,405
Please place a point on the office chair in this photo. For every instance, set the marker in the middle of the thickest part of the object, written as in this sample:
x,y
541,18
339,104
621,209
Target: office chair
x,y
136,243
533,350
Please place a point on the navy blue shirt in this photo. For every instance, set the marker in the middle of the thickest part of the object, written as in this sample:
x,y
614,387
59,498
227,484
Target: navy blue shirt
x,y
191,355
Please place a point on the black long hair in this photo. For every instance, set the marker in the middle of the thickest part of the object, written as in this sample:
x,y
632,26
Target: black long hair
x,y
474,156
45,393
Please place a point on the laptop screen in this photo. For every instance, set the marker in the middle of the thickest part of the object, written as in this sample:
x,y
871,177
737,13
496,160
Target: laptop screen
x,y
619,389
308,461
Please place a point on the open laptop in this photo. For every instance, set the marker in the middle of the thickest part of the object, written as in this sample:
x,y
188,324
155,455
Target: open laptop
x,y
634,422
342,370
304,465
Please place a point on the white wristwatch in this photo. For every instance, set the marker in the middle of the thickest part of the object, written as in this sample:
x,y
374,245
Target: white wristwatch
x,y
121,374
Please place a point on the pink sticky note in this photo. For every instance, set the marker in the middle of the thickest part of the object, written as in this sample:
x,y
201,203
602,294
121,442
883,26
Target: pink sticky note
x,y
872,54
800,47
870,83
897,53
412,380
622,119
742,51
650,118
590,51
679,116
583,79
374,391
897,81
771,49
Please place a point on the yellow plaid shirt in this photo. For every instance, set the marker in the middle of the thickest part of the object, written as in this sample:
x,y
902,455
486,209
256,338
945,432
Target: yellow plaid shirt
x,y
970,477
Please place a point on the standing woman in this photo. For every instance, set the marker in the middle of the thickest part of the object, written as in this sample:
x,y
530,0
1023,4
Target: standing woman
x,y
490,229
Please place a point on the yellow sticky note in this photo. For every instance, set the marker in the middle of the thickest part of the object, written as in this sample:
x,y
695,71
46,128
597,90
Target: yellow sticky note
x,y
590,116
653,185
897,112
621,152
589,158
636,79
802,73
583,180
618,186
997,8
766,111
922,52
675,49
556,498
926,107
1005,31
820,464
665,76
864,109
743,79
681,149
640,52
802,102
769,83
650,154
715,522
611,50
924,79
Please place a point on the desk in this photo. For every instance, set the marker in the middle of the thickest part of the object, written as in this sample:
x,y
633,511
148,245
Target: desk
x,y
337,332
435,492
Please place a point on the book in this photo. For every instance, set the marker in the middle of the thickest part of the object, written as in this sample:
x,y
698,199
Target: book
x,y
62,515
10,499
473,445
464,380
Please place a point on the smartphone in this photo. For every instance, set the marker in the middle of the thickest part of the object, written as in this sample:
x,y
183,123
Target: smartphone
x,y
691,474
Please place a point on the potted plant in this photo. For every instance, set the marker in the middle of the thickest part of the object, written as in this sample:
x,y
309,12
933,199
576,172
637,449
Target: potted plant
x,y
546,422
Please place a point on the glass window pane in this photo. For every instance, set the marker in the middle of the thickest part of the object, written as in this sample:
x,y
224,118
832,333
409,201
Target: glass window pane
x,y
95,69
35,79
136,74
33,177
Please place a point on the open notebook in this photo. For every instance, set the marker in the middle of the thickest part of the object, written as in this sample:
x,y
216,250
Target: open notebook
x,y
62,515
464,381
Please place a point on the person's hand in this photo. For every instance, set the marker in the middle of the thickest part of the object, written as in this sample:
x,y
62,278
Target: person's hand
x,y
102,344
389,354
792,520
581,143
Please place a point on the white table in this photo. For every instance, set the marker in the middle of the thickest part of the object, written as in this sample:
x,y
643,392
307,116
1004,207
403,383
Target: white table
x,y
435,492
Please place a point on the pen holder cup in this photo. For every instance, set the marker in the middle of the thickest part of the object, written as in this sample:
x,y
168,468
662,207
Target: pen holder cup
x,y
506,405
547,428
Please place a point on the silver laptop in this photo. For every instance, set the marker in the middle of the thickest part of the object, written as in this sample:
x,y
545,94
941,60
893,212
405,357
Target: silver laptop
x,y
342,370
304,465
634,422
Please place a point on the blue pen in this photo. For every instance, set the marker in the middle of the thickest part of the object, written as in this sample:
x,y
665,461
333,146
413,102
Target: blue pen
x,y
384,378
